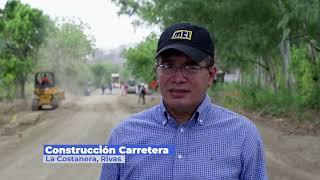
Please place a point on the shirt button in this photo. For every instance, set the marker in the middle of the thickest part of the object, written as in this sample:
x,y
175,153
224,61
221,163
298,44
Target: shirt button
x,y
164,123
181,130
179,156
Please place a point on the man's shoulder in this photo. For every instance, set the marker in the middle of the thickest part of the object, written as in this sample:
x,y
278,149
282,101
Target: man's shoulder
x,y
230,118
140,120
136,128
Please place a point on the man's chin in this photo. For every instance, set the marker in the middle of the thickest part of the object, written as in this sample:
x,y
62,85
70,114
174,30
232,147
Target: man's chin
x,y
179,104
179,95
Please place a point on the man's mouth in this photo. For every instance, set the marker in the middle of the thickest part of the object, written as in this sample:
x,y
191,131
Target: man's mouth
x,y
178,92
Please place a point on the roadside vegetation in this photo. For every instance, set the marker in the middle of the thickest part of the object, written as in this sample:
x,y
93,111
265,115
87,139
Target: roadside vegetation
x,y
274,45
140,62
102,73
31,41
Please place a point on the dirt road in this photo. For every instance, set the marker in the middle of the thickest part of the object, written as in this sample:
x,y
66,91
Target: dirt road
x,y
88,120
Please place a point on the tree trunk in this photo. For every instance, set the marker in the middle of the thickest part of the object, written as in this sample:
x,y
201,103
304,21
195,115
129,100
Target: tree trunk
x,y
259,72
22,90
21,84
272,73
313,60
286,60
312,54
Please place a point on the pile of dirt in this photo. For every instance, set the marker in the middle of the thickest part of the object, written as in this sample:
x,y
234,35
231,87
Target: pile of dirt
x,y
16,116
9,110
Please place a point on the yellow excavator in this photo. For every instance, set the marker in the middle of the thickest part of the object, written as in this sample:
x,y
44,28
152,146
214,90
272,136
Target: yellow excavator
x,y
45,91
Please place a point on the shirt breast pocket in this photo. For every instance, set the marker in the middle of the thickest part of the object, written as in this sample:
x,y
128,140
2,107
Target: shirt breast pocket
x,y
215,166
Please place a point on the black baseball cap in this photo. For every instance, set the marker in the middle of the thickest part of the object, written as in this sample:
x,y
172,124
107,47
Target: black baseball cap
x,y
192,40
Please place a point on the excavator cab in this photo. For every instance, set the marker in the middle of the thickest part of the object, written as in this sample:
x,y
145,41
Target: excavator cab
x,y
45,91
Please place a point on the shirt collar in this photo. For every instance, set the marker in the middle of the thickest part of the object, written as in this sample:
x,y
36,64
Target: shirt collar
x,y
198,116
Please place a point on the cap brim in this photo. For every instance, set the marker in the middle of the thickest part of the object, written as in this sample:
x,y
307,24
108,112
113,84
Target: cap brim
x,y
195,54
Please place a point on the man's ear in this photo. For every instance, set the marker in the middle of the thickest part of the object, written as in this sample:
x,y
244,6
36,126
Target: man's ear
x,y
212,74
212,71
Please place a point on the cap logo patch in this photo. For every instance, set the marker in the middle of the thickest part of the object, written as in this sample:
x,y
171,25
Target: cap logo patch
x,y
182,34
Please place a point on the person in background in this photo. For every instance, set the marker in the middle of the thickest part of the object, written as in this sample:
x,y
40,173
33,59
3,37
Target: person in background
x,y
125,88
103,88
121,89
45,80
110,88
142,93
138,92
211,142
153,87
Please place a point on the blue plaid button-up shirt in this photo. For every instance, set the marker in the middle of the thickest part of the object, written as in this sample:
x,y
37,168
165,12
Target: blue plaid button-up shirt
x,y
214,144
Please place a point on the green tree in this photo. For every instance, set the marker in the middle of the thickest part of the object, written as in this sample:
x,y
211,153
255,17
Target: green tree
x,y
102,73
22,33
307,77
66,52
245,31
140,59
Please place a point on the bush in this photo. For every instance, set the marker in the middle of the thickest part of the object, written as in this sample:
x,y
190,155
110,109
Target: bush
x,y
265,101
307,78
226,94
7,88
253,97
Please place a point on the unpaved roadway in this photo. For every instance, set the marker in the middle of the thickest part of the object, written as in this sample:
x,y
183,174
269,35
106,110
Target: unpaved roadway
x,y
89,120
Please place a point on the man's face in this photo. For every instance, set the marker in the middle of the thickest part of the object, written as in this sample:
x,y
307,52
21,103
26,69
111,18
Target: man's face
x,y
182,90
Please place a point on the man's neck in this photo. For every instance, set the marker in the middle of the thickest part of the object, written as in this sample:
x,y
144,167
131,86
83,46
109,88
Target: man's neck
x,y
181,116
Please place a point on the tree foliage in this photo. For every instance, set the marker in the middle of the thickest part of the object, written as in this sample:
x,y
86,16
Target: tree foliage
x,y
140,59
22,33
30,41
307,78
102,73
248,34
66,52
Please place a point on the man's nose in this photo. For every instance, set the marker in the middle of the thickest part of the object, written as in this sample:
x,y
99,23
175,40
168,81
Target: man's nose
x,y
178,76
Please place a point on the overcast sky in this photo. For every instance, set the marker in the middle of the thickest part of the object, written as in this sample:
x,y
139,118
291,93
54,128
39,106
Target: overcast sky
x,y
109,30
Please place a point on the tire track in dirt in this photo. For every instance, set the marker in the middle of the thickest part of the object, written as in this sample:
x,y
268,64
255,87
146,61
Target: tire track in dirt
x,y
89,120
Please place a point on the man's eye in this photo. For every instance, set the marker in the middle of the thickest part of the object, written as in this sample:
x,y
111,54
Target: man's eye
x,y
168,66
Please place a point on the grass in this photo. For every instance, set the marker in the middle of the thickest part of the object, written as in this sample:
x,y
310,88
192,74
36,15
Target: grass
x,y
263,101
